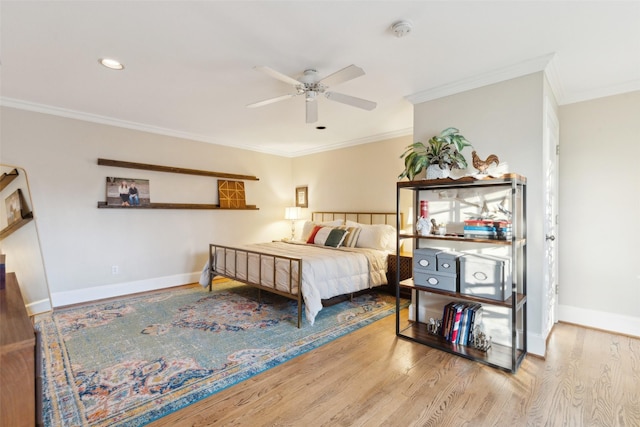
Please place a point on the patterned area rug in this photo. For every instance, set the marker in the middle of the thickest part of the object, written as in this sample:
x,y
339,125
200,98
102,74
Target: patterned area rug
x,y
131,361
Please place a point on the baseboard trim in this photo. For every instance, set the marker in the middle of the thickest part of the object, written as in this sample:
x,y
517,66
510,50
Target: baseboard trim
x,y
79,296
536,345
610,322
37,307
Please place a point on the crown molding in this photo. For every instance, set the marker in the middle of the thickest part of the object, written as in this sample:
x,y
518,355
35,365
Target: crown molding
x,y
632,86
110,121
517,70
360,141
553,78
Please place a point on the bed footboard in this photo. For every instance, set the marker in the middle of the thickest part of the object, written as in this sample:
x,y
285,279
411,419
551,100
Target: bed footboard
x,y
281,275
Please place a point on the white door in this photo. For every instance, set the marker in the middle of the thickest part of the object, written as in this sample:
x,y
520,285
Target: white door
x,y
551,154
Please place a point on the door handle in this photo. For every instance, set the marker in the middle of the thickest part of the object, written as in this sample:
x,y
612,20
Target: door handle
x,y
550,237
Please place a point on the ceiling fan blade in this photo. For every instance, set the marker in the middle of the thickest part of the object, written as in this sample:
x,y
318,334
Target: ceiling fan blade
x,y
271,100
312,111
278,75
341,76
351,100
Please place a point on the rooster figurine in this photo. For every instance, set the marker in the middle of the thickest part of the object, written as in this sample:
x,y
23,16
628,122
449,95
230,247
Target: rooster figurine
x,y
483,165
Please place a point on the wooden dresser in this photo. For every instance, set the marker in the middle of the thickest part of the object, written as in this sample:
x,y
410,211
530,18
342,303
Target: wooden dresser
x,y
17,359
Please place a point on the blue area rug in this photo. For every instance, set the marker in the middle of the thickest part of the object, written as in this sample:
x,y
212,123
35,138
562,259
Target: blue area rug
x,y
134,360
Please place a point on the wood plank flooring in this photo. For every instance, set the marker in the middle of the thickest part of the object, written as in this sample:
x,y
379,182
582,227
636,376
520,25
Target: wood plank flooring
x,y
372,378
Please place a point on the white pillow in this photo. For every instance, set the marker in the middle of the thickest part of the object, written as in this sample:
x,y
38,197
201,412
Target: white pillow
x,y
307,228
378,236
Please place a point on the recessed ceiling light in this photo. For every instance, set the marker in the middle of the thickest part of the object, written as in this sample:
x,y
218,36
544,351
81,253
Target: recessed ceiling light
x,y
111,63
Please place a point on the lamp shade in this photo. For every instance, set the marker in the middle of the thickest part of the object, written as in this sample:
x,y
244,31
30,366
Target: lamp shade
x,y
292,213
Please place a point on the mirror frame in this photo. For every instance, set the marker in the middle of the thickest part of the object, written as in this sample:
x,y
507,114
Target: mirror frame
x,y
20,241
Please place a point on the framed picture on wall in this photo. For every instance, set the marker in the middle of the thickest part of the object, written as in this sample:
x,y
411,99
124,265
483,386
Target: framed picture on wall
x,y
128,192
14,207
302,197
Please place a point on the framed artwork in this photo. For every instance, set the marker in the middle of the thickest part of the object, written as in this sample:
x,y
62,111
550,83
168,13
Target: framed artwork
x,y
128,192
302,197
231,194
14,207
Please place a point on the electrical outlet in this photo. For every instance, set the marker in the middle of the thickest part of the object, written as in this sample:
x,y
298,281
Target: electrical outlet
x,y
115,269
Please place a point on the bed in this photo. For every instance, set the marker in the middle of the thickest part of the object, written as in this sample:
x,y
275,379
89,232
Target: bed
x,y
339,253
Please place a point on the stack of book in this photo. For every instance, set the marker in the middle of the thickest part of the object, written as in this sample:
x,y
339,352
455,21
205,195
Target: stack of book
x,y
487,229
459,320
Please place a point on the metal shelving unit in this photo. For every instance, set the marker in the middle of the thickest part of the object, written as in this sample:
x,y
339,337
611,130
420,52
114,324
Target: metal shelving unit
x,y
506,355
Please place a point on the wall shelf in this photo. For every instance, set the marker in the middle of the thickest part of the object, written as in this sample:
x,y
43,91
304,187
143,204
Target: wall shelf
x,y
171,169
103,205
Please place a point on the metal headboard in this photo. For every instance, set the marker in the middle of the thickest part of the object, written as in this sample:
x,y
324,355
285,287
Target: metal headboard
x,y
361,217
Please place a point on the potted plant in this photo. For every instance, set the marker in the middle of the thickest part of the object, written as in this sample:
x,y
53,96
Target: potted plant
x,y
441,154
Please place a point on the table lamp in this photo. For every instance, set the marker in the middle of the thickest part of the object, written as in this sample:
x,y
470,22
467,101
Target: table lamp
x,y
292,213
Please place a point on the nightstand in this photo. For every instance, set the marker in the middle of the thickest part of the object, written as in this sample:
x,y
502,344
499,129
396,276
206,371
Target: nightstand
x,y
406,269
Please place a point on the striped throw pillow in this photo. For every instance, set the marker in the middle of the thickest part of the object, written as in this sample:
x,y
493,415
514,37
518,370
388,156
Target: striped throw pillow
x,y
352,236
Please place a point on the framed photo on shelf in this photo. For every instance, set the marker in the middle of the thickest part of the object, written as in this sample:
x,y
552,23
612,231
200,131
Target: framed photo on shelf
x,y
302,197
14,207
128,192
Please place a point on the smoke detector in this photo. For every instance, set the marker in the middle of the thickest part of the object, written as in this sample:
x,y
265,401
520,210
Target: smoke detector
x,y
402,28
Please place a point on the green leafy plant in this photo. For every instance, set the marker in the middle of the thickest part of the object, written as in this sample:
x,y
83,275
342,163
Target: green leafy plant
x,y
443,150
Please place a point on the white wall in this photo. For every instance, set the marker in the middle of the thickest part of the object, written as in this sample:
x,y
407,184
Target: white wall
x,y
599,283
152,248
503,119
358,178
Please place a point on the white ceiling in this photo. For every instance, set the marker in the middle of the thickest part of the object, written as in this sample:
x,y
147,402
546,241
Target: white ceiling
x,y
189,64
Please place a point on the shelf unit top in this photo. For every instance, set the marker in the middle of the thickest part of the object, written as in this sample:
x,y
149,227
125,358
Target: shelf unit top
x,y
466,181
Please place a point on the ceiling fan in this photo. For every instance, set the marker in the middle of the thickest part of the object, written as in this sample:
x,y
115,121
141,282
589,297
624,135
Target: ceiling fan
x,y
310,85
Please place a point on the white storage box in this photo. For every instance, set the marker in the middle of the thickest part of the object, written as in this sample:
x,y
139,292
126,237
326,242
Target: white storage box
x,y
485,276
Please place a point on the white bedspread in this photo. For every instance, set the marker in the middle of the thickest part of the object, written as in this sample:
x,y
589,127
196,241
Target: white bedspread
x,y
326,272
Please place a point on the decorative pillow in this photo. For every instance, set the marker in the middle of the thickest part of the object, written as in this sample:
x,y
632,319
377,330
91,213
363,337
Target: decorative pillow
x,y
328,236
313,233
352,236
378,236
308,226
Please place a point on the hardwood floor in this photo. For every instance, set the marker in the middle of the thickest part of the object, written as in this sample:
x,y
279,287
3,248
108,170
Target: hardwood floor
x,y
372,378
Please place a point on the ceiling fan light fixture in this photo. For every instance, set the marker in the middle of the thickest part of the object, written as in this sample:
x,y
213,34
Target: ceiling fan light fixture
x,y
309,76
311,87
